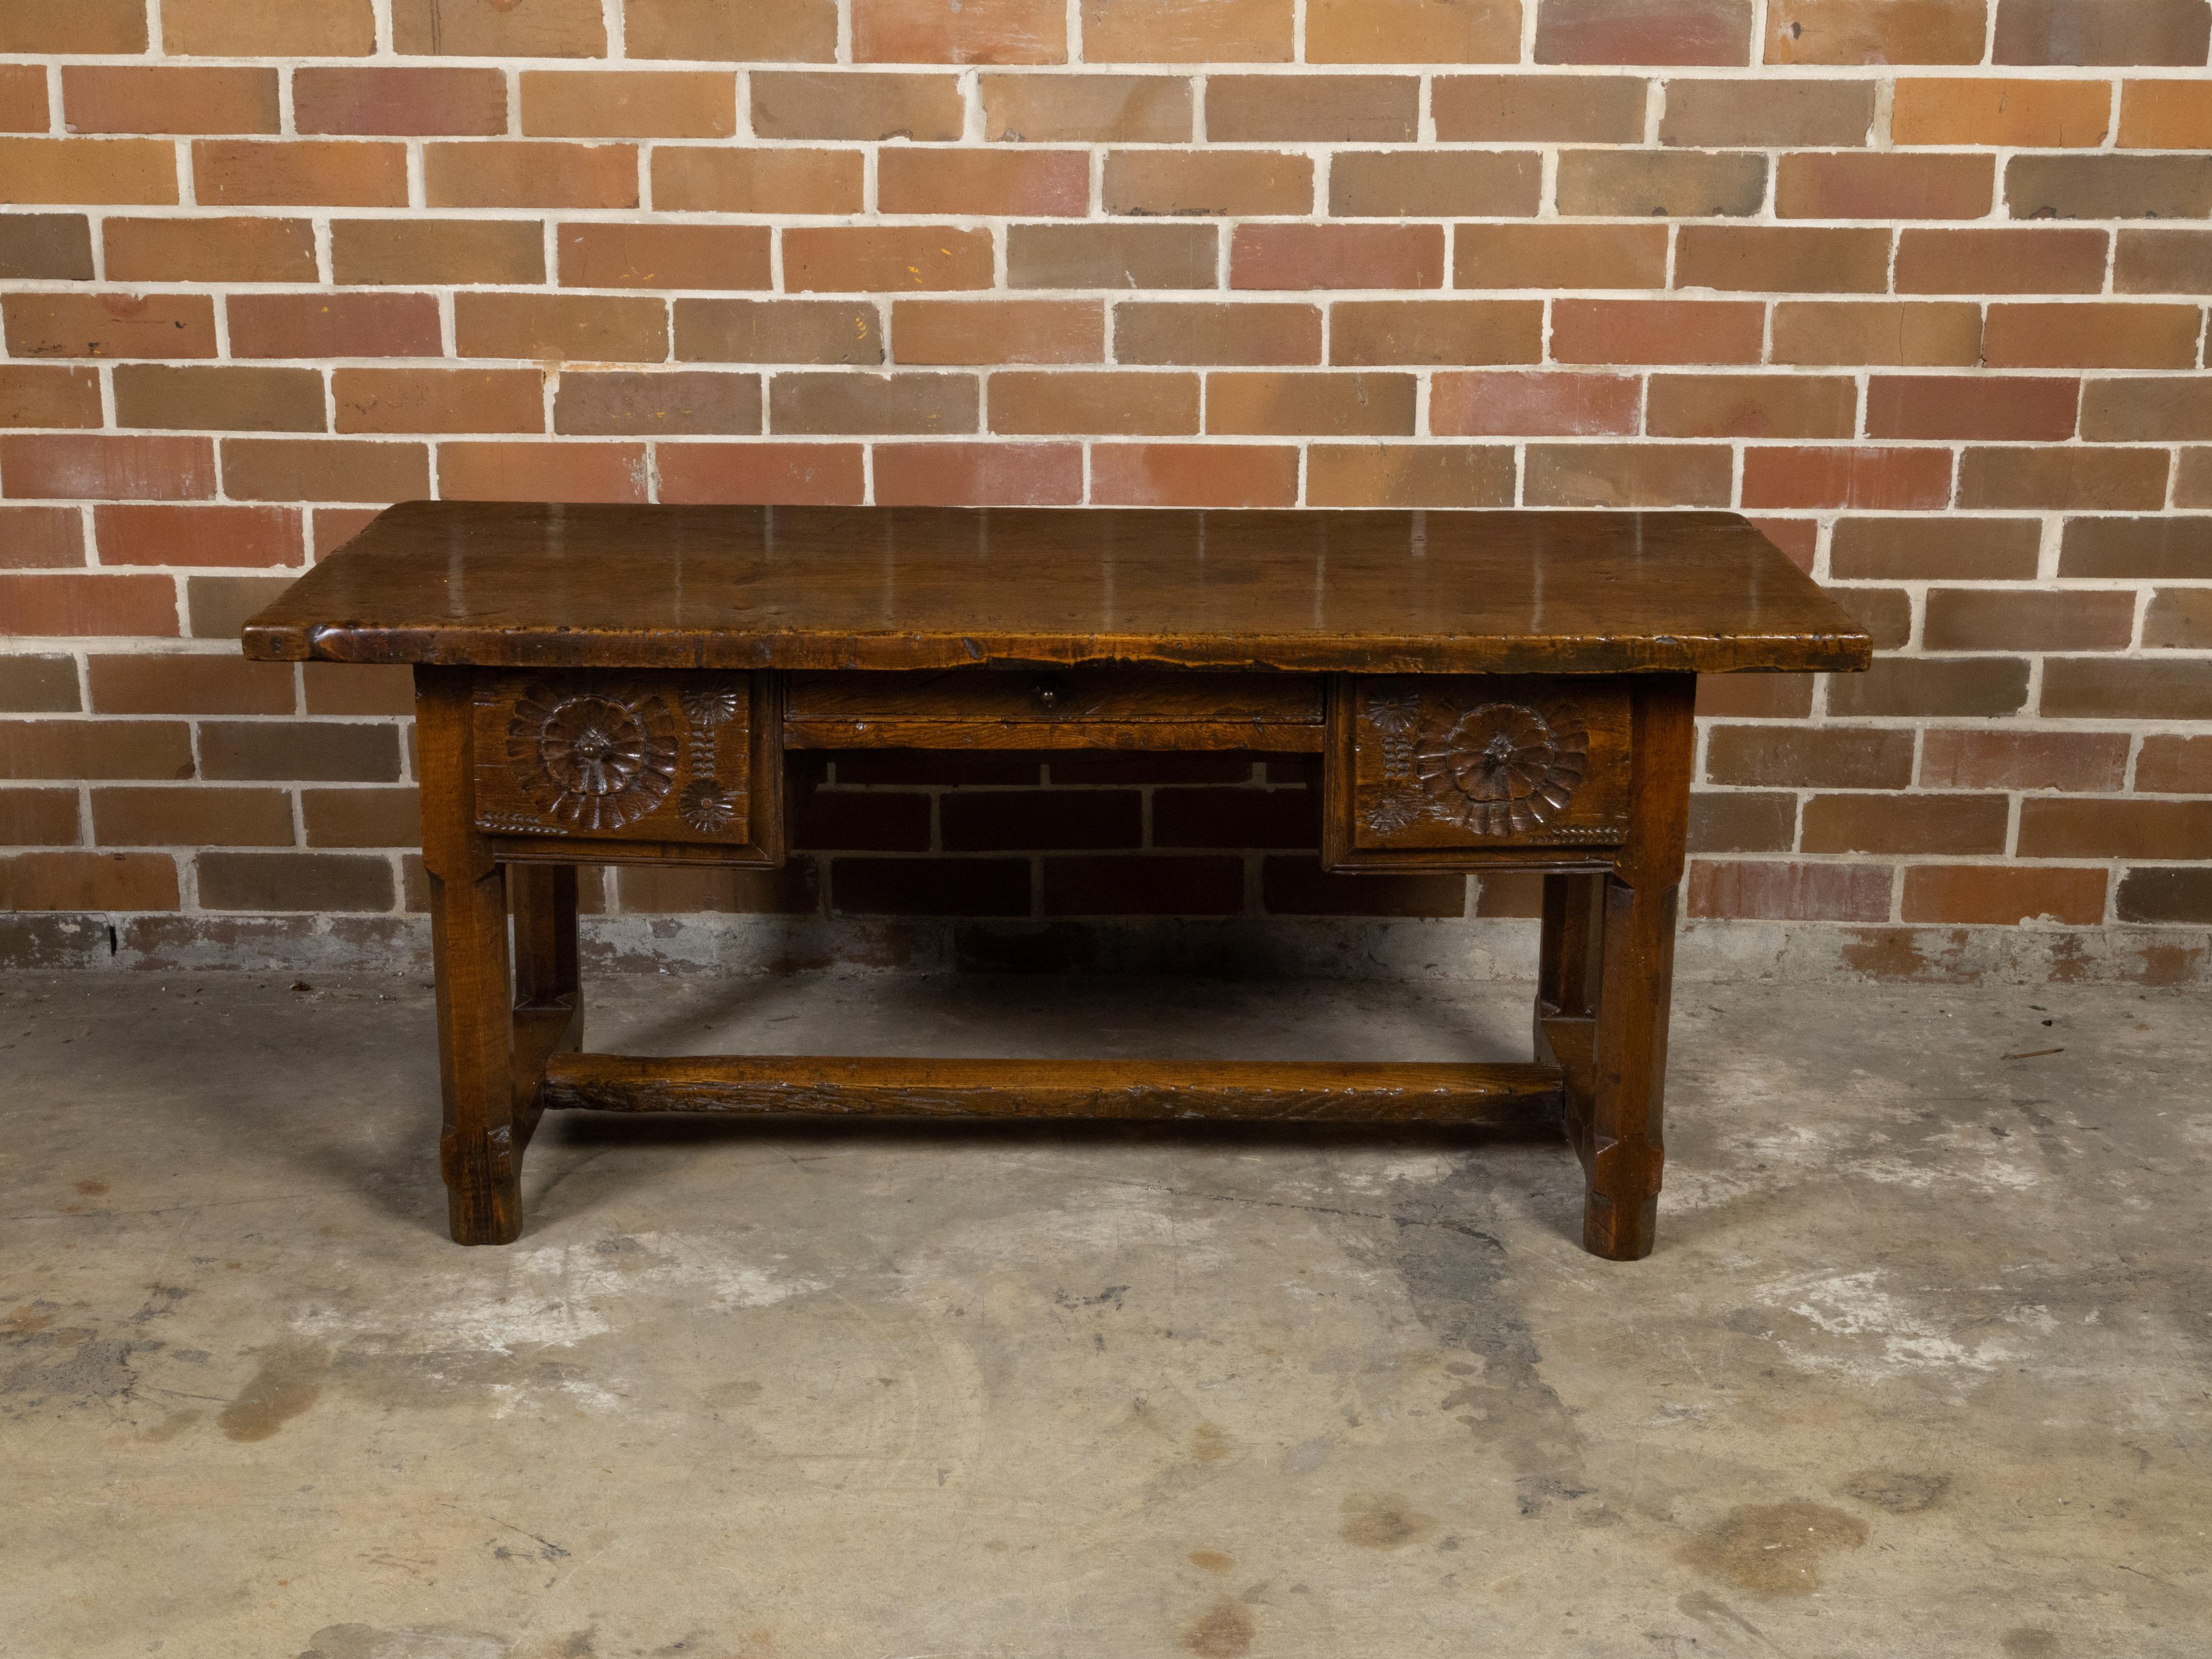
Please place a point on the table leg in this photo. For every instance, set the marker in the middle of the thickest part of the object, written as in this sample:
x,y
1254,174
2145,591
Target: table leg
x,y
1567,992
477,1151
1624,1149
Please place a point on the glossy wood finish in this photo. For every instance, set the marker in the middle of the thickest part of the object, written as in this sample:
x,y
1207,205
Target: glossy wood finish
x,y
1419,592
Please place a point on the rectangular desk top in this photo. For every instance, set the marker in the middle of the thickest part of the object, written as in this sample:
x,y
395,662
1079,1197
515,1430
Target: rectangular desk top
x,y
799,587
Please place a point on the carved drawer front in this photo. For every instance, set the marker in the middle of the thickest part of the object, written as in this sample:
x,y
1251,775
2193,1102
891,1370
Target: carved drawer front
x,y
629,755
1444,769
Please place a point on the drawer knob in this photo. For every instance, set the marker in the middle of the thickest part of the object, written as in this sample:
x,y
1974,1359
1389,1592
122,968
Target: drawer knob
x,y
1047,694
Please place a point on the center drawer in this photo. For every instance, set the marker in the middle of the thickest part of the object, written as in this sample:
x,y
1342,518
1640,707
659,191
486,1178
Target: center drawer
x,y
1053,709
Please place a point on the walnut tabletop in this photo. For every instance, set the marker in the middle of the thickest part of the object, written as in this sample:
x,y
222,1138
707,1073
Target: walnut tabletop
x,y
797,588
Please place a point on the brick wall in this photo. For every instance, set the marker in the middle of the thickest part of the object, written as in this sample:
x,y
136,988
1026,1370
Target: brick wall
x,y
1919,283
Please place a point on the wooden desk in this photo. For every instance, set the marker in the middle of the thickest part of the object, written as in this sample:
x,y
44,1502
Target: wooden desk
x,y
1487,691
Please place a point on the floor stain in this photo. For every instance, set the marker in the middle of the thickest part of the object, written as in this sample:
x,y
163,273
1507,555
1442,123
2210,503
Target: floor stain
x,y
2029,1642
97,1368
1898,1493
93,1188
1776,1548
1708,1609
403,1641
290,1380
1208,1444
1383,1521
1222,1631
1212,1560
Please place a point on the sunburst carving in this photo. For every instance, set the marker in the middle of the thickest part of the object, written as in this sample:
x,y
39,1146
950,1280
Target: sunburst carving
x,y
594,760
1500,769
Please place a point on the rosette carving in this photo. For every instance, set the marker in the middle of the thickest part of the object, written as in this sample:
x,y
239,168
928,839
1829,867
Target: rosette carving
x,y
594,760
1500,769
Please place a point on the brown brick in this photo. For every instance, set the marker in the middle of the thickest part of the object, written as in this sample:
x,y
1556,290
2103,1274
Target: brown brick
x,y
2109,187
806,103
1588,109
1178,32
2149,409
70,605
1371,109
1336,256
2155,262
737,31
2166,115
1250,333
1559,256
852,820
1774,889
330,528
859,259
1880,185
1484,404
323,470
168,98
561,326
1876,31
109,325
88,881
778,331
96,749
1886,613
2181,894
1955,687
1851,332
324,172
1007,821
2179,618
1656,330
1362,331
2192,478
1141,885
393,250
1734,821
84,27
41,538
498,28
1037,184
1233,818
1856,476
1409,475
978,475
268,29
1951,759
1433,184
2007,619
23,97
1751,406
629,103
2102,32
541,472
1679,184
2008,112
170,684
218,607
1194,475
1207,181
49,394
2109,688
2003,895
361,817
101,467
149,533
647,889
2067,478
664,256
1298,886
2000,260
820,475
226,397
40,817
1809,758
1413,30
1719,114
242,250
620,403
2174,766
75,170
975,31
870,404
700,179
1756,697
1112,256
998,330
930,887
439,400
1911,823
1643,32
1971,406
1263,403
331,325
1137,404
1764,258
46,247
416,102
2055,828
2163,549
294,881
1627,475
490,174
1112,109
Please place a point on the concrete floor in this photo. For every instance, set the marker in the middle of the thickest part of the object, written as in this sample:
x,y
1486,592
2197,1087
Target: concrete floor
x,y
1918,1369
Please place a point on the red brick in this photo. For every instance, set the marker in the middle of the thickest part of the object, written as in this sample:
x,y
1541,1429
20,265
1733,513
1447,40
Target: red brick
x,y
1850,333
83,28
1137,403
2058,828
76,604
1778,890
2008,112
541,472
1643,32
1755,696
49,394
100,467
168,98
1734,821
2069,478
439,400
1809,758
864,404
499,28
1751,406
1954,759
978,475
270,28
1336,256
170,683
2179,618
41,537
974,32
40,817
2001,259
866,107
1272,403
778,331
998,330
2002,895
323,172
1369,109
775,474
89,881
664,256
2166,32
1409,475
109,325
706,178
860,258
323,469
2092,336
1509,406
1194,475
2011,619
1435,332
1117,109
23,97
332,325
1588,109
1178,32
147,534
1161,181
561,326
1249,333
1975,406
1768,258
228,397
1875,184
1553,256
1413,30
1956,824
629,103
412,101
1876,31
1035,183
2174,766
747,31
491,174
87,170
620,403
1627,475
1656,330
1776,476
